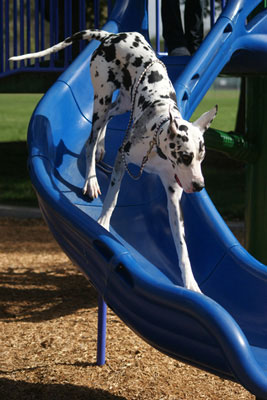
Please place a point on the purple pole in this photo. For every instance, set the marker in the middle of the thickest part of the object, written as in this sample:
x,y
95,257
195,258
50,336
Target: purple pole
x,y
22,31
15,31
1,37
101,331
157,27
212,13
97,13
7,35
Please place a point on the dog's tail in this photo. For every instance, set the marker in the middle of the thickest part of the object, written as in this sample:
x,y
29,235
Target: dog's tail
x,y
89,34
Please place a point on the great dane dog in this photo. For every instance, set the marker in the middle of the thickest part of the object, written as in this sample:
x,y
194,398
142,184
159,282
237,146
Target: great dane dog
x,y
158,139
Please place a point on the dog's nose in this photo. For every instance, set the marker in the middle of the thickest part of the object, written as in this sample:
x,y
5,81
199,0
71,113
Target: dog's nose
x,y
197,186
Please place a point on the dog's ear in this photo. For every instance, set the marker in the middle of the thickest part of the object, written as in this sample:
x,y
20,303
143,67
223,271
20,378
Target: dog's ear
x,y
203,122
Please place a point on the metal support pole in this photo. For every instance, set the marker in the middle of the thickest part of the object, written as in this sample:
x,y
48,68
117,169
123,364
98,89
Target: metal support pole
x,y
101,331
256,129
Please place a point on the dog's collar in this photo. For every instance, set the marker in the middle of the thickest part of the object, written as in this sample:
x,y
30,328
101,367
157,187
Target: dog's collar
x,y
159,130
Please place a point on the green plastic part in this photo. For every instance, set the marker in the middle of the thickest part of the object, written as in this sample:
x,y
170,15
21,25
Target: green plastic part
x,y
233,145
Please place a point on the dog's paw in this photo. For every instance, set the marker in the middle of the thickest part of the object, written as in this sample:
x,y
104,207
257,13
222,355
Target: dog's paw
x,y
192,285
103,221
91,187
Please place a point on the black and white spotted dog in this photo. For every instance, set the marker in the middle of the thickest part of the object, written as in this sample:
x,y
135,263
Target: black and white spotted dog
x,y
157,139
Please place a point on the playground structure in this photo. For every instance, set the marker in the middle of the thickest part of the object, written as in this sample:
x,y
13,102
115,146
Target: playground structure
x,y
28,26
136,271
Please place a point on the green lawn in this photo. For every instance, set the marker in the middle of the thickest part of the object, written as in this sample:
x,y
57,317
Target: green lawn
x,y
227,100
15,112
225,179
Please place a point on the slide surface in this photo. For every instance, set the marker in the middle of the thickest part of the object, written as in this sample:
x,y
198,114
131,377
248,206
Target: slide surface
x,y
134,266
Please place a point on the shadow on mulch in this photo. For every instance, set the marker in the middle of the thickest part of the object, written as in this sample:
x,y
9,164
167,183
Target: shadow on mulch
x,y
31,296
14,390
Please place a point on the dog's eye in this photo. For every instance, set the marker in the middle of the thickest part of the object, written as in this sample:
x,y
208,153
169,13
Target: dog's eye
x,y
186,158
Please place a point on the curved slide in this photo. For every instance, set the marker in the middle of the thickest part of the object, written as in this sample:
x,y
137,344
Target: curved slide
x,y
134,267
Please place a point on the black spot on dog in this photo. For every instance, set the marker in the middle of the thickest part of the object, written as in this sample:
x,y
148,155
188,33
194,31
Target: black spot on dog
x,y
95,117
101,101
110,52
118,38
164,96
173,96
75,37
146,64
154,76
161,154
127,147
185,139
112,183
171,189
146,104
138,62
126,78
108,100
117,62
174,154
172,145
136,44
141,100
143,103
112,78
154,127
144,88
183,128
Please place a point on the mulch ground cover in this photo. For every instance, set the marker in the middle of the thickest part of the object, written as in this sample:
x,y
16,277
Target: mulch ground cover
x,y
48,326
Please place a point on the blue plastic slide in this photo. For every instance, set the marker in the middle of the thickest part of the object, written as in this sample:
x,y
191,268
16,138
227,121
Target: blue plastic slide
x,y
134,267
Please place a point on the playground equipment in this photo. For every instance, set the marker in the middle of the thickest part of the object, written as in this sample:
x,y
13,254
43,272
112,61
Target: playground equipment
x,y
134,268
27,26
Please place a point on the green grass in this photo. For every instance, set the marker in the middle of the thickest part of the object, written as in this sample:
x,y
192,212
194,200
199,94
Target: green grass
x,y
227,100
16,111
225,179
15,185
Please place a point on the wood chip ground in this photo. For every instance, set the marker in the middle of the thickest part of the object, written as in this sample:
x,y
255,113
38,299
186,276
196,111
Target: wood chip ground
x,y
48,319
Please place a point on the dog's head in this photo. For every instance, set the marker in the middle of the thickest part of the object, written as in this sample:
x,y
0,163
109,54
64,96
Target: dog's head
x,y
185,149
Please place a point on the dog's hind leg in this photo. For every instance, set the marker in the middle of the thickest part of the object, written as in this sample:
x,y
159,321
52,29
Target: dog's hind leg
x,y
121,105
174,194
113,192
91,186
102,106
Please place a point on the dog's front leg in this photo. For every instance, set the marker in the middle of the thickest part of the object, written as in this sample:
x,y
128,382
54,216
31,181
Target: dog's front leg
x,y
91,186
174,194
112,193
